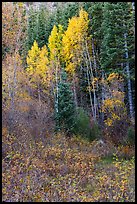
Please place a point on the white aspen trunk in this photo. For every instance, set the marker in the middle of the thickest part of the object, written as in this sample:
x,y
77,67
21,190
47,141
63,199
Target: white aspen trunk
x,y
81,97
102,97
128,78
133,6
89,87
94,58
75,93
95,100
133,9
57,91
95,66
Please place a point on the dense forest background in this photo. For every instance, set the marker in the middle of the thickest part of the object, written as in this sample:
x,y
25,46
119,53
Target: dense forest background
x,y
68,68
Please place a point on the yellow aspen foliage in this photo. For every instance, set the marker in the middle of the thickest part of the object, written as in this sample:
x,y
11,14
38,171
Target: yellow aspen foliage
x,y
94,82
114,106
71,66
108,122
73,40
114,77
55,42
59,39
114,109
83,21
42,66
32,58
52,42
55,54
37,62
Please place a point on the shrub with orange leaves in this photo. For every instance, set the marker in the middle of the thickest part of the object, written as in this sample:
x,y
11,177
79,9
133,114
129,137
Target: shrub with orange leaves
x,y
114,109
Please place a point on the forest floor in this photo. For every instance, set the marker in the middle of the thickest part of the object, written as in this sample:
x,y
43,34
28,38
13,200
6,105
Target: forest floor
x,y
65,170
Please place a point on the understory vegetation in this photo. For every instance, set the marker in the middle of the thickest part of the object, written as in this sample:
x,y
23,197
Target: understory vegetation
x,y
67,170
68,101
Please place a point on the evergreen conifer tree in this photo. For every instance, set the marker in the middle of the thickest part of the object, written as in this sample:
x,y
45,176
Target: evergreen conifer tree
x,y
66,109
117,48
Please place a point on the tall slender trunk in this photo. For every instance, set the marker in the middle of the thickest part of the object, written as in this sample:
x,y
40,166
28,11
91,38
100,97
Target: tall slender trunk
x,y
81,95
57,90
75,93
133,6
89,87
128,77
95,66
92,76
133,10
94,58
102,97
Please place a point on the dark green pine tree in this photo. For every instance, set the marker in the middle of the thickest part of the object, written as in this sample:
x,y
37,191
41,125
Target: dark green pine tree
x,y
66,108
65,12
38,23
112,43
117,48
42,17
117,21
95,11
129,52
31,28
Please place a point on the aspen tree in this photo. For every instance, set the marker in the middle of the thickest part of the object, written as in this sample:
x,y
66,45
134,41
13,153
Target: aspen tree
x,y
55,46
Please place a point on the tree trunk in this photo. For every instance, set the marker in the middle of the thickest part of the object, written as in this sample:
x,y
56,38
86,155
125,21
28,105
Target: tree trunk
x,y
133,10
92,77
89,87
57,91
102,97
128,77
95,65
94,58
75,93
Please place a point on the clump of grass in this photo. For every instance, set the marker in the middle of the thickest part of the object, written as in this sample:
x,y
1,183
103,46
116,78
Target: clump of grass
x,y
107,159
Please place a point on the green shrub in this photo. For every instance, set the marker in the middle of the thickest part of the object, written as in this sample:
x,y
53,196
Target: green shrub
x,y
82,123
83,127
131,135
95,131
